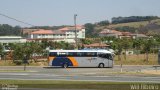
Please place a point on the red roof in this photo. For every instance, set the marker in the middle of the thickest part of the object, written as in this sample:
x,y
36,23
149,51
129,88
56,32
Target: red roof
x,y
78,27
41,31
64,29
58,32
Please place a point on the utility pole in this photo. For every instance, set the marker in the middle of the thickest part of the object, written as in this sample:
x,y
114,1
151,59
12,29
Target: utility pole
x,y
76,46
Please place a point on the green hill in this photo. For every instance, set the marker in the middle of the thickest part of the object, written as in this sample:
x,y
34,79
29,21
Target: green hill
x,y
146,27
134,24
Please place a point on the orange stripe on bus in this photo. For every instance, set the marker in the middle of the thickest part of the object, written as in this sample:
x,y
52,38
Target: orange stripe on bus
x,y
51,58
73,60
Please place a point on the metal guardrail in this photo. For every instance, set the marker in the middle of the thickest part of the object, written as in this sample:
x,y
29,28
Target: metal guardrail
x,y
156,66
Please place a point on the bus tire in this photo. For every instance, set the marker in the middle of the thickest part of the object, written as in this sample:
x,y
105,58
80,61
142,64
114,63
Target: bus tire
x,y
65,65
101,65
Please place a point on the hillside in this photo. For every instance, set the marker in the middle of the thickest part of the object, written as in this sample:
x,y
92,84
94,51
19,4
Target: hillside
x,y
134,24
146,27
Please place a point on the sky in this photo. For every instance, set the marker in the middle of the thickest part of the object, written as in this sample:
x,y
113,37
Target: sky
x,y
61,12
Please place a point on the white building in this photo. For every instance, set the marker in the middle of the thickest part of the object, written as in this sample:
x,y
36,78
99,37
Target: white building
x,y
11,39
41,34
110,33
66,34
118,34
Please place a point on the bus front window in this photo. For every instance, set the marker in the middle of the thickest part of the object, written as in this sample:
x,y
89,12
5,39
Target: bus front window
x,y
107,56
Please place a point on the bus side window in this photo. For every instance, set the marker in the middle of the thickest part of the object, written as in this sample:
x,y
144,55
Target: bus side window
x,y
94,54
79,54
70,54
53,54
91,54
62,54
101,55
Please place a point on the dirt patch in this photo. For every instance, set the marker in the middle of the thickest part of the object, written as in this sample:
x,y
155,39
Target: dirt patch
x,y
157,72
41,63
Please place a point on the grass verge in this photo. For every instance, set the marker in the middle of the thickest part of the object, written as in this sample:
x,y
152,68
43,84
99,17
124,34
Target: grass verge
x,y
52,84
137,60
15,71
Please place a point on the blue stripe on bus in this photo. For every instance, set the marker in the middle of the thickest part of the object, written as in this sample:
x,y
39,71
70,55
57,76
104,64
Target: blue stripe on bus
x,y
59,61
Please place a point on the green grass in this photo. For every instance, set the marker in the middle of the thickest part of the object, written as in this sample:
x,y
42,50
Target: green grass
x,y
70,84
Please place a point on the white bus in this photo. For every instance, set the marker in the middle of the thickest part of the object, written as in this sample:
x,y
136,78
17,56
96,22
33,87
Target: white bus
x,y
80,58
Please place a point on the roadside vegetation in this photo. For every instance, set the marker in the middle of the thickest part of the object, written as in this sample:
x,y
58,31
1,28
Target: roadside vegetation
x,y
30,53
144,51
127,51
131,60
137,60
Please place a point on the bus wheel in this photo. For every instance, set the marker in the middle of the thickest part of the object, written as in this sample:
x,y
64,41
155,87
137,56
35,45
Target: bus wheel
x,y
65,65
101,65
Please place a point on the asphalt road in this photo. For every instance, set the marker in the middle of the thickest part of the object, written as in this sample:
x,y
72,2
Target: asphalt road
x,y
79,74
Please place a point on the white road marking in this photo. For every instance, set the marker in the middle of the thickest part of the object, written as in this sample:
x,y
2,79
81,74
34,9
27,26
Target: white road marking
x,y
14,74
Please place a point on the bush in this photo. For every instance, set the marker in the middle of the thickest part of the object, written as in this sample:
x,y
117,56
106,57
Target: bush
x,y
17,62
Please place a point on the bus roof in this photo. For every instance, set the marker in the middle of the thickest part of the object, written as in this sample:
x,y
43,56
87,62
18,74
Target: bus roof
x,y
100,51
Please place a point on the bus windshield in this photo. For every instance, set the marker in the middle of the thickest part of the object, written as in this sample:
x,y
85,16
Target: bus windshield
x,y
104,55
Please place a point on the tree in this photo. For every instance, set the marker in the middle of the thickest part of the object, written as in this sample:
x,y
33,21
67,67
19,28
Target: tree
x,y
137,45
60,45
27,49
90,30
116,20
126,44
147,45
103,23
35,49
1,48
18,52
117,46
6,29
17,30
86,41
126,29
44,44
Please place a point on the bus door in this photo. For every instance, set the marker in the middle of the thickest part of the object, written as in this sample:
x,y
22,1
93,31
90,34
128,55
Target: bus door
x,y
110,59
103,59
106,58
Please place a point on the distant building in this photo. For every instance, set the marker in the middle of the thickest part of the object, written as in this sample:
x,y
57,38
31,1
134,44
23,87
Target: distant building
x,y
66,34
139,36
11,39
41,34
118,34
110,33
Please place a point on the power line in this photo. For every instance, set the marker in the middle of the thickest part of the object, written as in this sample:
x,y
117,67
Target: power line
x,y
16,20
